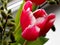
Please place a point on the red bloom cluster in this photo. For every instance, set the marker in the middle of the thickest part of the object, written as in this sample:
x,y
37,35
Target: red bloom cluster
x,y
35,24
37,2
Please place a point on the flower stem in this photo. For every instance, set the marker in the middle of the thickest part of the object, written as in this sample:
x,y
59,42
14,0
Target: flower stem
x,y
17,28
25,42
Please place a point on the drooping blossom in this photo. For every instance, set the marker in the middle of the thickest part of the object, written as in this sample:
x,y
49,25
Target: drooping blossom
x,y
35,24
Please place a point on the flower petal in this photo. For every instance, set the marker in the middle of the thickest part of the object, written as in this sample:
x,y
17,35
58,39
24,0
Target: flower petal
x,y
49,23
27,18
40,22
51,16
31,33
27,5
39,13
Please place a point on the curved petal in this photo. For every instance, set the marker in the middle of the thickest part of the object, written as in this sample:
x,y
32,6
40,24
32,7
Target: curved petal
x,y
51,16
40,22
39,13
27,18
49,23
27,5
31,33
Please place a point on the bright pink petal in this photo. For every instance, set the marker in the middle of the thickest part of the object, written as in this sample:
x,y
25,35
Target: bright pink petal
x,y
27,18
27,5
39,13
31,33
40,22
49,23
51,16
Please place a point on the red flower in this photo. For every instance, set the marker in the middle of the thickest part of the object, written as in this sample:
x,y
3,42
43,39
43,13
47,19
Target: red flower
x,y
35,24
37,2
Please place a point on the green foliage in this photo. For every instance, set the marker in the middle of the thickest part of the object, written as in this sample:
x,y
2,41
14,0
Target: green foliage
x,y
17,32
18,36
6,27
39,41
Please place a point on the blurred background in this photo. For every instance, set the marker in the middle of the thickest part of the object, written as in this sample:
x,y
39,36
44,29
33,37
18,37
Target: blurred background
x,y
54,37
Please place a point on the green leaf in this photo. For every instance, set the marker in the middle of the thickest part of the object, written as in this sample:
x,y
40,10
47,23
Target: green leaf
x,y
18,36
15,44
39,41
17,17
3,14
18,30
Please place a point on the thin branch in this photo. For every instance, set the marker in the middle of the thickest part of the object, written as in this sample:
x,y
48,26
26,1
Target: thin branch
x,y
25,42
